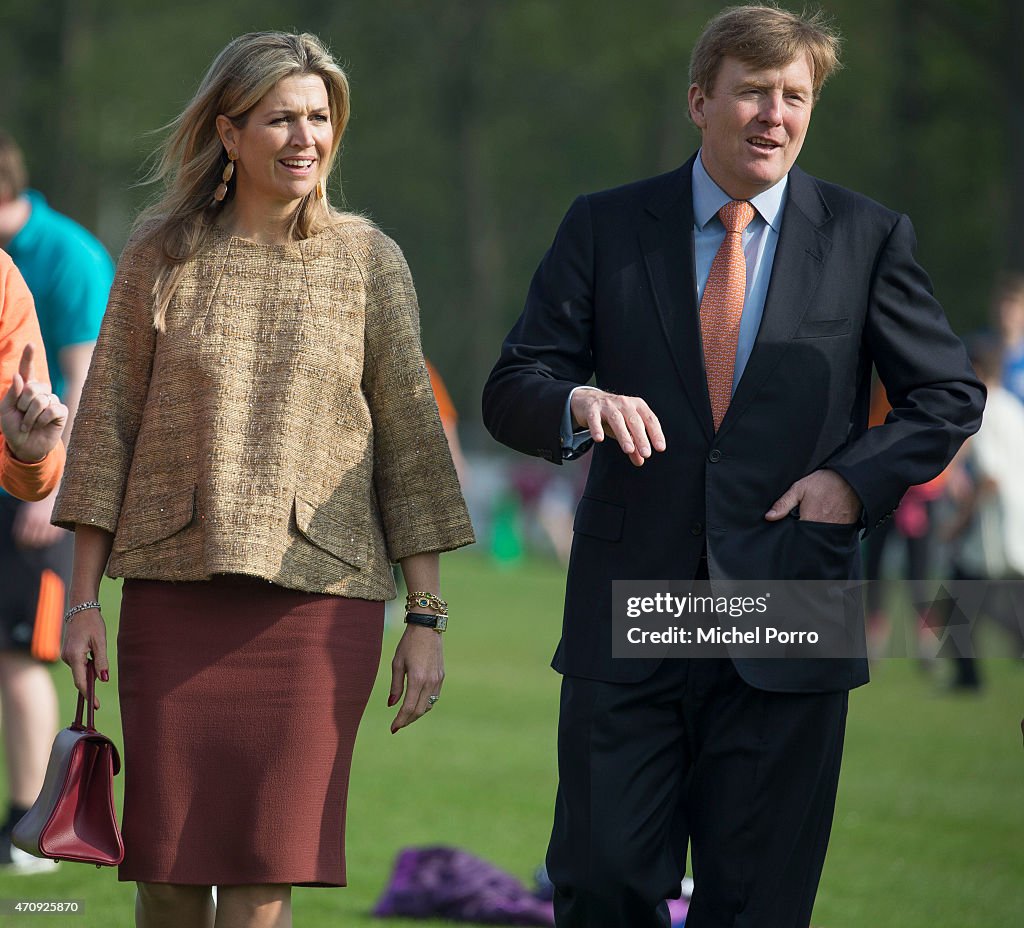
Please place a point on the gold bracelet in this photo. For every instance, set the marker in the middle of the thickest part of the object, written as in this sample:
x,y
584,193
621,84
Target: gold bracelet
x,y
423,600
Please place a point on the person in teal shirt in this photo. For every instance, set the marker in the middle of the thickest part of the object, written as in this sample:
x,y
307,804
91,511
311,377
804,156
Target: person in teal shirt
x,y
69,274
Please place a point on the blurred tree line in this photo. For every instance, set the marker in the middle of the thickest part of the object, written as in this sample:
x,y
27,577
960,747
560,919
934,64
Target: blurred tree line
x,y
476,122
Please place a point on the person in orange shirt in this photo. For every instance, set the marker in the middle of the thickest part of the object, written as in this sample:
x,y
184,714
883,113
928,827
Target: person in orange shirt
x,y
31,417
449,421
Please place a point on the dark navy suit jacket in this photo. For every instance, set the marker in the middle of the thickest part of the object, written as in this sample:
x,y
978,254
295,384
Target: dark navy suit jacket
x,y
615,298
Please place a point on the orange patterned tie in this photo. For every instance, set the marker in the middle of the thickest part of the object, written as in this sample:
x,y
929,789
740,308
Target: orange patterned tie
x,y
721,307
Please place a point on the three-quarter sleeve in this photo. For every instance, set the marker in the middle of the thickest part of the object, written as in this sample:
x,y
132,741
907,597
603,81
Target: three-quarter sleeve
x,y
103,438
417,489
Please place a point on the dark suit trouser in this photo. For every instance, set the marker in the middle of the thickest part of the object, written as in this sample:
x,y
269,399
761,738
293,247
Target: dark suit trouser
x,y
692,756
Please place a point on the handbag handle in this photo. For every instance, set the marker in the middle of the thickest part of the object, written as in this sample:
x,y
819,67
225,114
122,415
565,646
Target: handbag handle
x,y
90,676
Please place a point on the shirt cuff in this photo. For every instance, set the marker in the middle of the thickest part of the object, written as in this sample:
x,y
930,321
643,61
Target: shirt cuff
x,y
574,443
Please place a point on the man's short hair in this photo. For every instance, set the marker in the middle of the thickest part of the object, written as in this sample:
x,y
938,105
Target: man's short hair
x,y
13,176
764,36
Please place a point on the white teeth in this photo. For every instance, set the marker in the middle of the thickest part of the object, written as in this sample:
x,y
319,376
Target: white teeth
x,y
296,163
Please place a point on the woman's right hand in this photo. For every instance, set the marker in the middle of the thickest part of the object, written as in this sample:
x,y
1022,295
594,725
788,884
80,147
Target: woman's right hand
x,y
85,632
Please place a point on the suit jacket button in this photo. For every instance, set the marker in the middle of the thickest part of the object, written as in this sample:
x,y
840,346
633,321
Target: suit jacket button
x,y
696,528
715,456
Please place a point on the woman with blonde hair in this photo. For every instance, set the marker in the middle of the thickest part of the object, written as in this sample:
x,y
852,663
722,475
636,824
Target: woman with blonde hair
x,y
257,442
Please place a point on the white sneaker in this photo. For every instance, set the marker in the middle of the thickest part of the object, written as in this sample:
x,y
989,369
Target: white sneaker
x,y
23,864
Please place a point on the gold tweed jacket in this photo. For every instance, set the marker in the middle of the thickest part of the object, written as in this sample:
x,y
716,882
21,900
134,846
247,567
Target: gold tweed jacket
x,y
283,426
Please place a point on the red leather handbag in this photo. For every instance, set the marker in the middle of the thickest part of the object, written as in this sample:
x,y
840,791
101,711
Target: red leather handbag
x,y
74,818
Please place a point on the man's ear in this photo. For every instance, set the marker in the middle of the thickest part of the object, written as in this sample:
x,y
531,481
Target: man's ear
x,y
695,96
227,132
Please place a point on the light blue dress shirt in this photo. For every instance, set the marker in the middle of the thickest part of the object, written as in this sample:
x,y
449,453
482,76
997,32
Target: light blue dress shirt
x,y
760,239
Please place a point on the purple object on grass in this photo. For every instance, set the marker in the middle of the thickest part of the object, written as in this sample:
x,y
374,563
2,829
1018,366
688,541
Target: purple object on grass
x,y
446,882
677,909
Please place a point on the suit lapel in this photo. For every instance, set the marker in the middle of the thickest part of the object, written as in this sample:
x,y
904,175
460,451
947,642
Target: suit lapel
x,y
666,238
796,271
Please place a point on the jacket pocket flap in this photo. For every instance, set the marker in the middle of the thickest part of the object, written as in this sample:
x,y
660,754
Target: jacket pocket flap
x,y
820,328
329,534
600,519
165,517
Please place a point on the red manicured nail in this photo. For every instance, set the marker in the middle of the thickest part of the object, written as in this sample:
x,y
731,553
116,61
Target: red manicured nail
x,y
392,700
105,676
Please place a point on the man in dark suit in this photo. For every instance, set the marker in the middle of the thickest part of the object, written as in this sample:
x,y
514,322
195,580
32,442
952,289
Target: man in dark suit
x,y
731,312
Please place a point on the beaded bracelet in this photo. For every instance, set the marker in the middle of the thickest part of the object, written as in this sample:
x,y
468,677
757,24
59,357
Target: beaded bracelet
x,y
81,607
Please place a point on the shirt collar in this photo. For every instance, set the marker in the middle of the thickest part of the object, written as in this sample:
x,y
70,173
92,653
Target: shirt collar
x,y
709,198
26,236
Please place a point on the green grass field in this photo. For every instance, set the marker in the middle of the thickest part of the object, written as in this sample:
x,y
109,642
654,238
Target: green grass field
x,y
929,830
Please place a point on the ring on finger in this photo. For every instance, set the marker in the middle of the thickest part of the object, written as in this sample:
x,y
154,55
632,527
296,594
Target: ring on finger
x,y
432,699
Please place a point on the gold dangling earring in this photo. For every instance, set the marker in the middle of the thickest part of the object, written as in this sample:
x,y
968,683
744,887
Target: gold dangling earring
x,y
319,189
226,175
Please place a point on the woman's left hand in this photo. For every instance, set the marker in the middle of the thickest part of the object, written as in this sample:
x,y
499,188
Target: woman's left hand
x,y
418,669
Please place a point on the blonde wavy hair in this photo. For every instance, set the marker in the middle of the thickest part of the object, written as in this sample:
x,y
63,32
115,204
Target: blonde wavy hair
x,y
190,160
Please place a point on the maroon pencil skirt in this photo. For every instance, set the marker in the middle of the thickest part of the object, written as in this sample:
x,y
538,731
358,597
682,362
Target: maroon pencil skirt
x,y
240,702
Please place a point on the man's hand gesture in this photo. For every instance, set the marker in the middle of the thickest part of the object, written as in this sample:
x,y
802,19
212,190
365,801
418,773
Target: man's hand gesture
x,y
31,417
628,418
